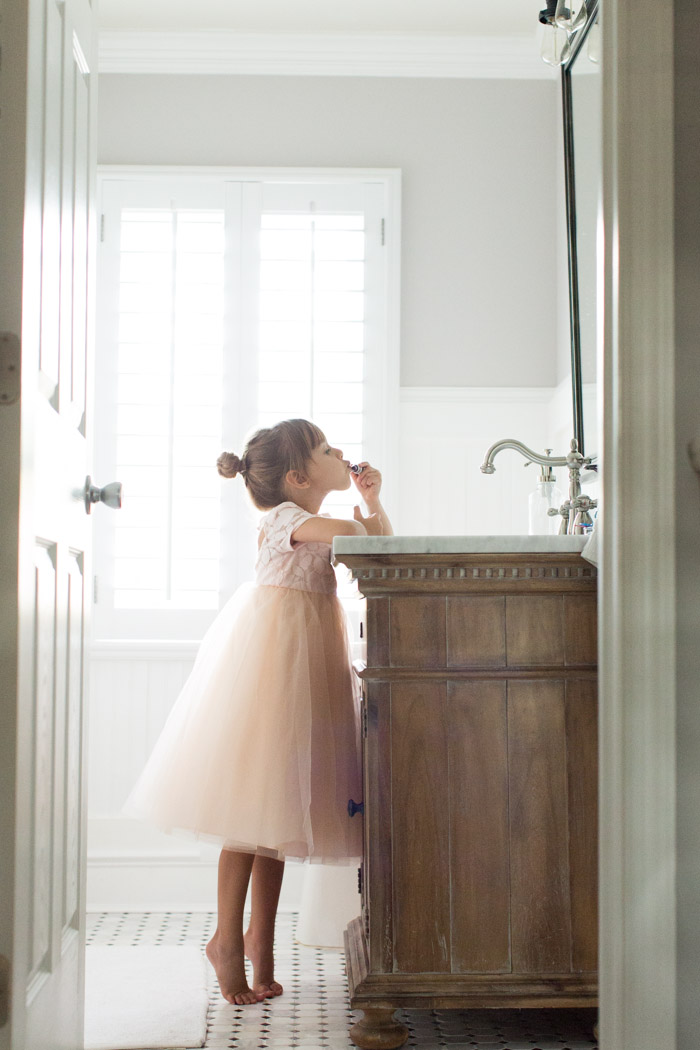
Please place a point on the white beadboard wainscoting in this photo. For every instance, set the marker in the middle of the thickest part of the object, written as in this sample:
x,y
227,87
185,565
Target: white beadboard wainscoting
x,y
444,434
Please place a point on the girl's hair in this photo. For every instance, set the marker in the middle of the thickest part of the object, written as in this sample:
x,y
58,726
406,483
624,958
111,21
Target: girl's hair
x,y
268,456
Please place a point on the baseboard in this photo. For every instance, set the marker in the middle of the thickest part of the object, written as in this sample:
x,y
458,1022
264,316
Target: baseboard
x,y
133,867
157,885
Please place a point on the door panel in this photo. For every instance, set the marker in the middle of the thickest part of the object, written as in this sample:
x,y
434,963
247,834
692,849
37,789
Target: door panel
x,y
538,815
420,825
74,734
42,746
51,211
478,809
582,789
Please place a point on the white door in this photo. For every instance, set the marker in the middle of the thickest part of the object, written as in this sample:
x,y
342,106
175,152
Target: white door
x,y
47,123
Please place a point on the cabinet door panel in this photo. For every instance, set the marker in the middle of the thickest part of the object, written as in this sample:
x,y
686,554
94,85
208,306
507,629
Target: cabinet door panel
x,y
378,632
418,632
478,804
582,763
420,833
535,630
541,919
378,826
476,631
581,629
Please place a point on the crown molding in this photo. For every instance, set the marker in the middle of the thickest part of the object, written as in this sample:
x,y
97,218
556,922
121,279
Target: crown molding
x,y
321,54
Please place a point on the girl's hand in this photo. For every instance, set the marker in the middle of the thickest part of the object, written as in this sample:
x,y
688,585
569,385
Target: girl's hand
x,y
368,483
372,523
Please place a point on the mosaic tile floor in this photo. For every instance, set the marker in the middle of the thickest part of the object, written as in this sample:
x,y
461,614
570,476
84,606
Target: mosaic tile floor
x,y
314,1010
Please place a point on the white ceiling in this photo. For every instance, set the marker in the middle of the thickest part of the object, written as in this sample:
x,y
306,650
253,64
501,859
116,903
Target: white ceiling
x,y
459,17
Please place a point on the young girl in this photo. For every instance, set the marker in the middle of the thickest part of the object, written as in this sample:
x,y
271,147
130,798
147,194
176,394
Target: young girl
x,y
261,750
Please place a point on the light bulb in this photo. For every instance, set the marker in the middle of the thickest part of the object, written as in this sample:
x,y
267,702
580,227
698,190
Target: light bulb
x,y
555,45
570,14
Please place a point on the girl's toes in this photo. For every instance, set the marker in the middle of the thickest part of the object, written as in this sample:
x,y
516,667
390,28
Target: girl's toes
x,y
269,991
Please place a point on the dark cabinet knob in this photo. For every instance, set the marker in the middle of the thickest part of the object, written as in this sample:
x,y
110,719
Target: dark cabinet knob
x,y
355,807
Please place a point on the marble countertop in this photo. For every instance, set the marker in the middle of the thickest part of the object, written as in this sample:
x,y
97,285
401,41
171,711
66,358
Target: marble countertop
x,y
457,544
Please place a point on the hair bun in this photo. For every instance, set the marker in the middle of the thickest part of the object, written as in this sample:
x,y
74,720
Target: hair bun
x,y
229,465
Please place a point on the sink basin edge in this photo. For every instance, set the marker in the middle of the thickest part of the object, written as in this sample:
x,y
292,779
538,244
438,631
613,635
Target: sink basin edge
x,y
458,544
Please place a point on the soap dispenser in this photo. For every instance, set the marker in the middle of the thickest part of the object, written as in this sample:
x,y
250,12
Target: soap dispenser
x,y
545,497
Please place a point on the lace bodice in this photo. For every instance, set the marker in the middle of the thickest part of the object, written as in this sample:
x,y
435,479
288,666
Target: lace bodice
x,y
280,563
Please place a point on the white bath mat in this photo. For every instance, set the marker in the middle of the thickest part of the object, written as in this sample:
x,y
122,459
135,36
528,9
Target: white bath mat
x,y
145,998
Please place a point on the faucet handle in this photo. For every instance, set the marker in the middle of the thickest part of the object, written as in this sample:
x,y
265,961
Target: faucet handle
x,y
582,520
564,512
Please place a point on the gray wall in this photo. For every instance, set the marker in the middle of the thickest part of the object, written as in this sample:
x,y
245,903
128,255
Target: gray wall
x,y
481,264
687,319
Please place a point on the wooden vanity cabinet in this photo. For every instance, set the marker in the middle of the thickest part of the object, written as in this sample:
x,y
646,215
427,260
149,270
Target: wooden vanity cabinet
x,y
479,876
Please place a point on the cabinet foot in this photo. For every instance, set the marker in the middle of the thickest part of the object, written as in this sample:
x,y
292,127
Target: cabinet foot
x,y
377,1029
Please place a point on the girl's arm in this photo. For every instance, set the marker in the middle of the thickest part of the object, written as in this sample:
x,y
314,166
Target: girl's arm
x,y
378,514
322,530
369,484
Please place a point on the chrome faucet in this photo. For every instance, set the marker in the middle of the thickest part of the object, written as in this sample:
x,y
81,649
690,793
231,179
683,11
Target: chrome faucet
x,y
575,510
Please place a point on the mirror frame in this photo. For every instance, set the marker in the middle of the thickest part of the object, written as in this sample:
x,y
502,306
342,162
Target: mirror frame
x,y
570,192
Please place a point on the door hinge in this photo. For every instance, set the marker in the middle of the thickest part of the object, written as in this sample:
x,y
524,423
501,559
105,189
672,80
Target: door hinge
x,y
4,989
359,879
94,590
102,227
364,718
383,232
9,368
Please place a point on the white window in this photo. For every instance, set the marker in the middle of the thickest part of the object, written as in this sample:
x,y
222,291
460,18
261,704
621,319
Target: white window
x,y
225,302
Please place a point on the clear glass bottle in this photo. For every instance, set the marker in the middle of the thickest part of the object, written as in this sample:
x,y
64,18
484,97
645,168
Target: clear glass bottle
x,y
545,497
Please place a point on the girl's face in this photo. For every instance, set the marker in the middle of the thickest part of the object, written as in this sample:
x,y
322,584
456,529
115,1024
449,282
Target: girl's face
x,y
327,470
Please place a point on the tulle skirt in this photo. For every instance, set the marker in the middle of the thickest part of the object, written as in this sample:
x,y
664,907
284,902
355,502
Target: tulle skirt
x,y
261,750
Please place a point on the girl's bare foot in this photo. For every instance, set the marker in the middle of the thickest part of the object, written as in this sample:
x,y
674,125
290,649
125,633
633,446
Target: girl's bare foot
x,y
262,957
230,972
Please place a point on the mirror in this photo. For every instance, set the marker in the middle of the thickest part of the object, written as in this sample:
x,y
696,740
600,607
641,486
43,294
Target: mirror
x,y
581,93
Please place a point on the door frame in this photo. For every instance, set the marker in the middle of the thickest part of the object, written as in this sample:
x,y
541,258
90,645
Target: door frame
x,y
637,571
12,181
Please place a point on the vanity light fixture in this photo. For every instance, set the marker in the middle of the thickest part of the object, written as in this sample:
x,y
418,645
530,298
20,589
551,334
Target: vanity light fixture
x,y
561,20
572,17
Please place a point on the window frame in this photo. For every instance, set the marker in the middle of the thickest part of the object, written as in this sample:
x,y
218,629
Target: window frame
x,y
239,192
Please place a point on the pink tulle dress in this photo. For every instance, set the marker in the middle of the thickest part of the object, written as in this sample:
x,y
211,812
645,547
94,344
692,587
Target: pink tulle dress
x,y
260,752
